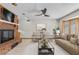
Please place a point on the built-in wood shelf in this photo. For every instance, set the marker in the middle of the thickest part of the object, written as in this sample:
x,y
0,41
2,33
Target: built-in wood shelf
x,y
7,22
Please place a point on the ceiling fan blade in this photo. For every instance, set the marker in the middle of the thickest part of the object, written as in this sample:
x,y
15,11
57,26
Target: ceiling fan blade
x,y
39,15
46,15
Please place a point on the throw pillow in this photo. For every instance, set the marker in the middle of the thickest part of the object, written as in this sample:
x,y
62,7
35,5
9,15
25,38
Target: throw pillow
x,y
68,37
78,40
73,40
65,36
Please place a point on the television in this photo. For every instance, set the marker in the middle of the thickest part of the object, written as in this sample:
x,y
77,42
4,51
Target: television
x,y
0,36
6,35
11,34
8,16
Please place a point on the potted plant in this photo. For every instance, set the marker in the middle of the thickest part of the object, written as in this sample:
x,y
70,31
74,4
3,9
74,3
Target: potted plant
x,y
54,31
44,44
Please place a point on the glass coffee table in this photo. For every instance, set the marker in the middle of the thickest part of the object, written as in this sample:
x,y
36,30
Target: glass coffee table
x,y
45,47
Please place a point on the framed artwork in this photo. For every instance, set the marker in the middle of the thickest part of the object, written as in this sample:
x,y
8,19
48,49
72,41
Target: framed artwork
x,y
40,26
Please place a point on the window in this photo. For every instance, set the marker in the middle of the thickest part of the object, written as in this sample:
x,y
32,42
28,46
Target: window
x,y
73,27
67,27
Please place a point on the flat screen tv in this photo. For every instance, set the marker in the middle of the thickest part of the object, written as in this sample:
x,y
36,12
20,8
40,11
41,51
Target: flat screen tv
x,y
11,34
6,35
0,36
8,16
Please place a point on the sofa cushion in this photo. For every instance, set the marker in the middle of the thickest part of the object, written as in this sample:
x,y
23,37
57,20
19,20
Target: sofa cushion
x,y
68,37
78,40
68,46
73,40
64,36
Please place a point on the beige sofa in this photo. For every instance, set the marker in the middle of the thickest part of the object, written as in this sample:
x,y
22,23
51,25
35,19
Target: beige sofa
x,y
68,46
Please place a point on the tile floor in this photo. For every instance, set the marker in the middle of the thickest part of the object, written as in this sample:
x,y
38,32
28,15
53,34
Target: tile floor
x,y
27,47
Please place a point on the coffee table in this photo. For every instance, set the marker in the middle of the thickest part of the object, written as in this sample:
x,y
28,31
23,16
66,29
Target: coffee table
x,y
48,50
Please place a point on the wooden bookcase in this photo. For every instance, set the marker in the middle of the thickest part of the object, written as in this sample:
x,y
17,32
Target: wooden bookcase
x,y
8,45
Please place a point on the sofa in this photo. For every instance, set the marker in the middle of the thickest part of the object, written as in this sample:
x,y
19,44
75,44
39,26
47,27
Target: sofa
x,y
71,46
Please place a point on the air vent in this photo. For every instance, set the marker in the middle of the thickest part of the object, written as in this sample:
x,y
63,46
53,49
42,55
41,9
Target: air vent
x,y
14,4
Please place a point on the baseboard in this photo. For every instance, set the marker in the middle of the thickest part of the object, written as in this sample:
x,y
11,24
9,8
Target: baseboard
x,y
33,38
26,38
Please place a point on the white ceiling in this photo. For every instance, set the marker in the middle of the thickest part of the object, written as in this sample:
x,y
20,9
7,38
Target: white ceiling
x,y
55,10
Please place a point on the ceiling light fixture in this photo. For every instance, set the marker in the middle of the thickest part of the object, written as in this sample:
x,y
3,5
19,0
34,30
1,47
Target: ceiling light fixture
x,y
28,20
23,14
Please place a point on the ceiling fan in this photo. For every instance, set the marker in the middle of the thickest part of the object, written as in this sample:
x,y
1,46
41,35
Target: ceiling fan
x,y
43,13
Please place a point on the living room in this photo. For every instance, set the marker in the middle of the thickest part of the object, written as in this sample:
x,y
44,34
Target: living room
x,y
27,28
